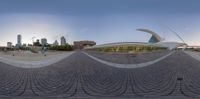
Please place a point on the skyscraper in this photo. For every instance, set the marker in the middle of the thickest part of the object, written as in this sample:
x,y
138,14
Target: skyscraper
x,y
44,41
55,43
63,40
19,40
9,44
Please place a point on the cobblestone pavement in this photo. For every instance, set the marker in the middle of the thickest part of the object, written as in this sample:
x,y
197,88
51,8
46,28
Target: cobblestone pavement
x,y
128,58
80,77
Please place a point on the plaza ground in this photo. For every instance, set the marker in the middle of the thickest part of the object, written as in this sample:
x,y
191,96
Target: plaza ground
x,y
28,56
81,77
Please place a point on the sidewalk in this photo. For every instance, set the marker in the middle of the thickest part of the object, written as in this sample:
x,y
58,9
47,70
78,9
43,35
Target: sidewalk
x,y
195,55
139,65
33,61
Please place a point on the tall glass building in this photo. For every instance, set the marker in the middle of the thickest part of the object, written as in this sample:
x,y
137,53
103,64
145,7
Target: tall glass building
x,y
19,40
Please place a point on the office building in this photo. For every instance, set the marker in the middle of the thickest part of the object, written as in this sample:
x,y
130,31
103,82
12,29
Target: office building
x,y
9,44
43,41
55,43
19,40
83,44
63,41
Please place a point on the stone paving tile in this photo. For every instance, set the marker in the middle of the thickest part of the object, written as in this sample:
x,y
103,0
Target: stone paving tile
x,y
80,77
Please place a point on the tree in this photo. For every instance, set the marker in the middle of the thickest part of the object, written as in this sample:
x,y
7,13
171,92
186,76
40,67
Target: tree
x,y
66,47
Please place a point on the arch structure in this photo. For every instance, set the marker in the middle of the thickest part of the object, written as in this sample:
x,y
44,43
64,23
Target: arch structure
x,y
155,38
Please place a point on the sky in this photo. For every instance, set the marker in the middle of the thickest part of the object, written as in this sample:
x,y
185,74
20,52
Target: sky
x,y
103,21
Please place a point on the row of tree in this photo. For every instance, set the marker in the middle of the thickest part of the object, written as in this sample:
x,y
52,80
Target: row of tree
x,y
130,48
66,47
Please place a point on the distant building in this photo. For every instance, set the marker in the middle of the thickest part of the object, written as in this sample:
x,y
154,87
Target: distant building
x,y
9,44
24,45
19,41
37,43
30,44
44,41
63,41
55,43
82,44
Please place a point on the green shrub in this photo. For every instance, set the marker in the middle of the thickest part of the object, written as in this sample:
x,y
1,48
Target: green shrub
x,y
66,47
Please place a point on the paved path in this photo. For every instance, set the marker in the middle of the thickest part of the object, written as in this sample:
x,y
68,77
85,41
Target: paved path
x,y
128,65
81,77
195,55
35,64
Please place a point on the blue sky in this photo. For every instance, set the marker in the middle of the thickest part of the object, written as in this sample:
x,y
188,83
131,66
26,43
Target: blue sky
x,y
103,21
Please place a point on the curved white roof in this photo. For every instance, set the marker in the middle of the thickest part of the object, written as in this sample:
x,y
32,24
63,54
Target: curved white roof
x,y
122,44
151,32
169,45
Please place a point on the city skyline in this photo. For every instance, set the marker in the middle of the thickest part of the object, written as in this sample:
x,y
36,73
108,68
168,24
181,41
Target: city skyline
x,y
42,41
100,21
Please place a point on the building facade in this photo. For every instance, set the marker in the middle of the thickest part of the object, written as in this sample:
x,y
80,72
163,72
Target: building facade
x,y
43,41
55,43
19,40
83,44
63,41
9,44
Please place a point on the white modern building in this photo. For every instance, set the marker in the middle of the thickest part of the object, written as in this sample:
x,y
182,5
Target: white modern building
x,y
63,41
155,41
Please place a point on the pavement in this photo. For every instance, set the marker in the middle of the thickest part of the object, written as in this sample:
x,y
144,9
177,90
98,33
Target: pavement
x,y
195,55
128,58
31,60
139,65
81,77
